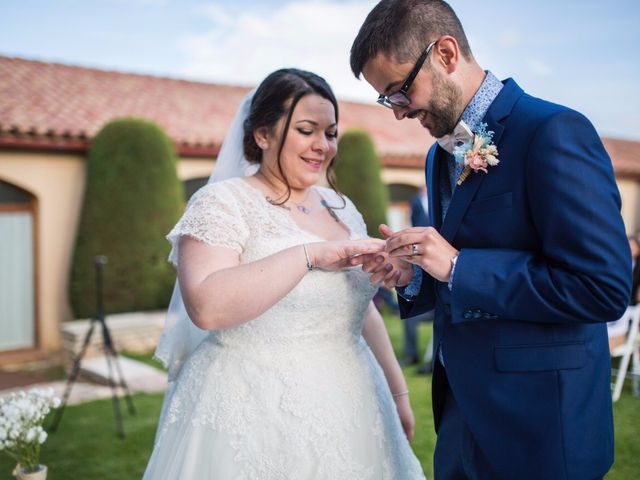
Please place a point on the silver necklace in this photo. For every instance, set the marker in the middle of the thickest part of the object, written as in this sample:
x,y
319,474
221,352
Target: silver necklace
x,y
300,206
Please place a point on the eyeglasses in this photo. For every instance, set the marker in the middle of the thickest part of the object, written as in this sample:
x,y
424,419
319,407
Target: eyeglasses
x,y
400,98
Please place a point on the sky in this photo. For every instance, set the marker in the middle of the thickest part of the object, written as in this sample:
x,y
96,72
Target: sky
x,y
580,53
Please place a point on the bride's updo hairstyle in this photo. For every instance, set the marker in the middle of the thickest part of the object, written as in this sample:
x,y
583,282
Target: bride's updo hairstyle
x,y
277,96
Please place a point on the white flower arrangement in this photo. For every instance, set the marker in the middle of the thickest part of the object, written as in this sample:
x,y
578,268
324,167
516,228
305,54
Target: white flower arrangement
x,y
21,417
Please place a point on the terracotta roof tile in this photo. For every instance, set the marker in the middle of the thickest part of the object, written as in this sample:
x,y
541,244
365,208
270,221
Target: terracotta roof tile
x,y
44,103
40,98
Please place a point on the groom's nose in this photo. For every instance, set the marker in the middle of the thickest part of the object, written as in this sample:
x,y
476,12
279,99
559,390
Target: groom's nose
x,y
400,112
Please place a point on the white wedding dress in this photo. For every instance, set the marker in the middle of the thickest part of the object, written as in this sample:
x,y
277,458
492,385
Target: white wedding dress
x,y
294,394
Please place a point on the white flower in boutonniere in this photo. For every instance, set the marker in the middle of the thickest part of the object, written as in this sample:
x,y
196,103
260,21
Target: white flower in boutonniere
x,y
477,155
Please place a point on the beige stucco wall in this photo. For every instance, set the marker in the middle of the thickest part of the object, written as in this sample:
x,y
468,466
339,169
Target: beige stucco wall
x,y
57,181
403,176
630,193
189,168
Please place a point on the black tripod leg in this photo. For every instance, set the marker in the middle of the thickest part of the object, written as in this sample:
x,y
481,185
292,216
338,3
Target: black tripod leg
x,y
114,393
73,375
122,382
111,349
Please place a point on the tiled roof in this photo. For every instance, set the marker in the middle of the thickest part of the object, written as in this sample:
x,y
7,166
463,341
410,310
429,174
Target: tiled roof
x,y
625,155
46,103
53,100
56,106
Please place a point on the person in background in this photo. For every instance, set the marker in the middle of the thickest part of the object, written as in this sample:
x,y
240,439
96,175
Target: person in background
x,y
419,218
617,330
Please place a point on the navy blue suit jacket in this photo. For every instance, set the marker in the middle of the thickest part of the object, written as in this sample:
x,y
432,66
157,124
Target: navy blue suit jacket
x,y
543,264
419,218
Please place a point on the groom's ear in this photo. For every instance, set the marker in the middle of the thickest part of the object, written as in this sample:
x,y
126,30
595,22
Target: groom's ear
x,y
447,53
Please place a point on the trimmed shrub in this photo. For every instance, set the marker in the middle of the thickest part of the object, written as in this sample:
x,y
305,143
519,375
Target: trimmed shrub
x,y
358,177
132,200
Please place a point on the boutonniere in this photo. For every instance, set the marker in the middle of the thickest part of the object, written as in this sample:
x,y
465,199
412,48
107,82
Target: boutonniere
x,y
477,155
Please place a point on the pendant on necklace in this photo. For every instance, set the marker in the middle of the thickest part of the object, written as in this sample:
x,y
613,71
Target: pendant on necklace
x,y
303,209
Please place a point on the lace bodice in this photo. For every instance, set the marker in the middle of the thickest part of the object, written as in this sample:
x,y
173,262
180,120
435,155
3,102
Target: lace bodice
x,y
236,215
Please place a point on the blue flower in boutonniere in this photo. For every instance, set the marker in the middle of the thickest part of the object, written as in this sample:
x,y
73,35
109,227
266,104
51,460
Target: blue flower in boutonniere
x,y
477,155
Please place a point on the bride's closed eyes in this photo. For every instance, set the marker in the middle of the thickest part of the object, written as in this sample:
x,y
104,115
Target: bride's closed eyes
x,y
329,134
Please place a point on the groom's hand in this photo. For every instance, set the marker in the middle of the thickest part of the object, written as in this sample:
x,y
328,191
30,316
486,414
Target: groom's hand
x,y
425,247
390,272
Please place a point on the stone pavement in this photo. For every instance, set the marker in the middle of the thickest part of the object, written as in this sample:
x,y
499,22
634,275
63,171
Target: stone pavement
x,y
139,376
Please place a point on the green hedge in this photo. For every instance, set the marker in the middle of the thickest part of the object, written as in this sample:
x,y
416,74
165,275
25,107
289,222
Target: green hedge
x,y
358,176
132,200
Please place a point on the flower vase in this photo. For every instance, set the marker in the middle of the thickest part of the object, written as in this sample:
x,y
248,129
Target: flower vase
x,y
22,474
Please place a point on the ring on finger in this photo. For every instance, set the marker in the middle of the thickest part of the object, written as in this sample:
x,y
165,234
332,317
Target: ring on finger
x,y
414,249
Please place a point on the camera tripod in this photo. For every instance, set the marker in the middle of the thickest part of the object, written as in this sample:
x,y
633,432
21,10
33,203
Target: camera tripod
x,y
113,365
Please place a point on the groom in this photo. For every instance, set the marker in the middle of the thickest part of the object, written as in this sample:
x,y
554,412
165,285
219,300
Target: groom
x,y
525,261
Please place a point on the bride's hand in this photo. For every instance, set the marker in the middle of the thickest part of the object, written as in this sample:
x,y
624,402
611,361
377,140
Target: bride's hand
x,y
337,254
406,415
390,272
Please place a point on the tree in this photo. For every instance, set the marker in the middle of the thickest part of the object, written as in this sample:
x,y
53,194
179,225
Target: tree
x,y
358,177
132,200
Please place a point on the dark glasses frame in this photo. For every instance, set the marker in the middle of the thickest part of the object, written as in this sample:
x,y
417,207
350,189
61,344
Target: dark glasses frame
x,y
399,98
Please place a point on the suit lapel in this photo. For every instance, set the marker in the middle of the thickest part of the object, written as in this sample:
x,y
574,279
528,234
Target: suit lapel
x,y
463,194
433,186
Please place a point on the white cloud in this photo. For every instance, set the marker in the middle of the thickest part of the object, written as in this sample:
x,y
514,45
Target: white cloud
x,y
508,38
538,67
244,45
145,3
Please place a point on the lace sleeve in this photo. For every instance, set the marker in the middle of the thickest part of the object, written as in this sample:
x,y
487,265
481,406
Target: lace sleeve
x,y
214,217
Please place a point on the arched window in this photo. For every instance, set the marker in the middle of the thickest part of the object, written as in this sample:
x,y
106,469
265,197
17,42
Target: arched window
x,y
17,269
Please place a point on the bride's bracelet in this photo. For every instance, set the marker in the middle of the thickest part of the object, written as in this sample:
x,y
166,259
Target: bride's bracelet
x,y
306,255
400,394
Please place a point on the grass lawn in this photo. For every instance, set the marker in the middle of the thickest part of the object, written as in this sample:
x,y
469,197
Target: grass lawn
x,y
85,445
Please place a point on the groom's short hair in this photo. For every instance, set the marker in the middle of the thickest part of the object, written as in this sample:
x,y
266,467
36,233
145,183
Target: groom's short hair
x,y
403,28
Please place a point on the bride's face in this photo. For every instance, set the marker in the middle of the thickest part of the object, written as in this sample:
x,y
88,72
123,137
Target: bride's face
x,y
310,144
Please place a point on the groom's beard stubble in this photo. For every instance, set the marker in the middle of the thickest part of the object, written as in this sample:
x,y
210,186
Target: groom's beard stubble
x,y
444,107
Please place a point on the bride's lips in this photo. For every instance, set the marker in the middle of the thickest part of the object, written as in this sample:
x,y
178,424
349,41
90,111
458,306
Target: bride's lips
x,y
313,162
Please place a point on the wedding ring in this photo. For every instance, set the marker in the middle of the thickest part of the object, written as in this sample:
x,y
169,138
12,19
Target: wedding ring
x,y
414,249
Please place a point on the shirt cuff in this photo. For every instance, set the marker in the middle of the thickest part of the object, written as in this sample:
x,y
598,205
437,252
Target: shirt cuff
x,y
454,261
410,291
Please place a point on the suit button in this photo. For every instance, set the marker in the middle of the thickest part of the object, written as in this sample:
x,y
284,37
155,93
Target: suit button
x,y
467,315
447,309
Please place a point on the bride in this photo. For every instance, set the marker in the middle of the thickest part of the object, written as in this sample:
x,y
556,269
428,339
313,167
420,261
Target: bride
x,y
280,366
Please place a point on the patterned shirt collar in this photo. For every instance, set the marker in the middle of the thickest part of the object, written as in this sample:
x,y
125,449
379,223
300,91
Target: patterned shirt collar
x,y
481,101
